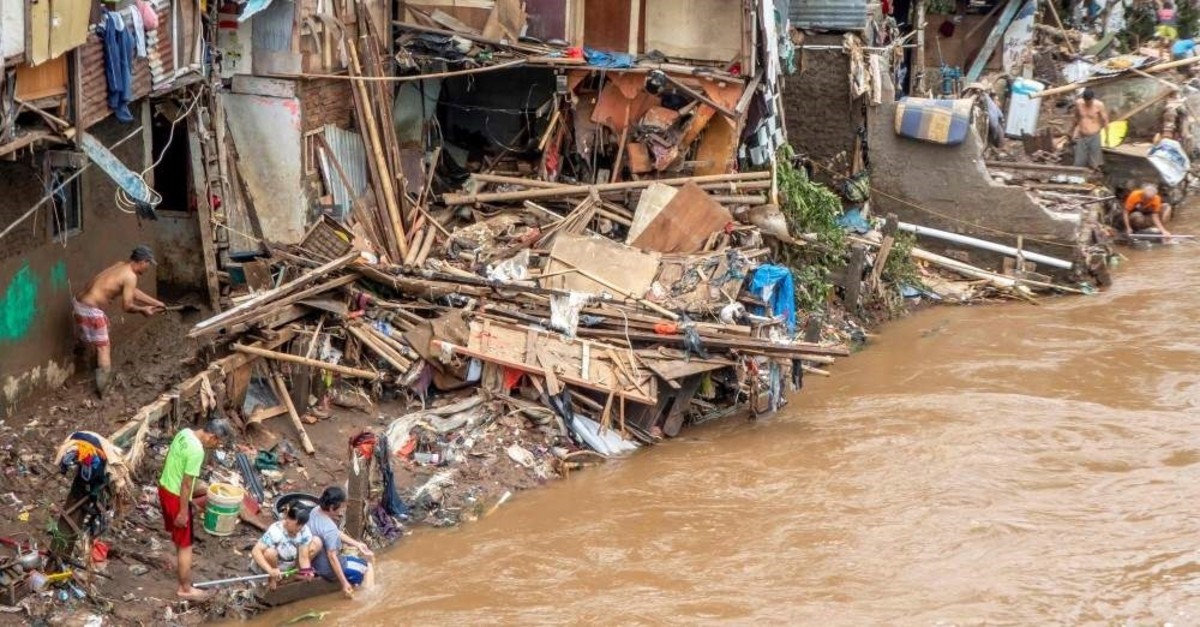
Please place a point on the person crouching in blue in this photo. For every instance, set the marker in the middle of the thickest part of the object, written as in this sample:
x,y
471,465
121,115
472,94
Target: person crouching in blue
x,y
350,571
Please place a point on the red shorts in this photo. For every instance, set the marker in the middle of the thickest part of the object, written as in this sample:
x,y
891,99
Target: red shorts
x,y
170,504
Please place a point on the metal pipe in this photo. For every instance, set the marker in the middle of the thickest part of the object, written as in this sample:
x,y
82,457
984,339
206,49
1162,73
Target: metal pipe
x,y
1053,262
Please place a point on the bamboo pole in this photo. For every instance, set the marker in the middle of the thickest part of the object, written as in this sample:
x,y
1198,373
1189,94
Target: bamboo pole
x,y
374,142
286,398
385,352
304,361
583,190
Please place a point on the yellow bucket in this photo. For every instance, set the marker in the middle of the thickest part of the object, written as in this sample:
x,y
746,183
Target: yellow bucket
x,y
221,513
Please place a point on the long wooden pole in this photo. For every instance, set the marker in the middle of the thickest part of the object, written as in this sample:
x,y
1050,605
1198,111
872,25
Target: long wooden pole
x,y
272,294
286,398
304,361
375,147
1154,69
1058,22
583,190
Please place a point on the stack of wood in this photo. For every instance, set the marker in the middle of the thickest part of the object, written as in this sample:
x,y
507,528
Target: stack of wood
x,y
550,293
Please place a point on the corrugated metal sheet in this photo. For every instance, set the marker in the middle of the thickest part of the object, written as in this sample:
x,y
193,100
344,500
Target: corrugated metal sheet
x,y
95,87
840,15
348,149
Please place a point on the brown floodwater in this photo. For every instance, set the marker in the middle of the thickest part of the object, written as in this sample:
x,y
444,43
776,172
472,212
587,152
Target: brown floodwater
x,y
1008,464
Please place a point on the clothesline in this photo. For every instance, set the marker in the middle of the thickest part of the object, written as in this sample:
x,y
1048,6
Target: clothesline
x,y
25,216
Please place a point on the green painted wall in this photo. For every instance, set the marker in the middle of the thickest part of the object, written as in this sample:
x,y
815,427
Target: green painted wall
x,y
19,305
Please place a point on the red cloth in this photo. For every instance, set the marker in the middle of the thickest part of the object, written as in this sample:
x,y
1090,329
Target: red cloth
x,y
170,504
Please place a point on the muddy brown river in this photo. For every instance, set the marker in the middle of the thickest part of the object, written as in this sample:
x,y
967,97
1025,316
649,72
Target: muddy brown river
x,y
1012,464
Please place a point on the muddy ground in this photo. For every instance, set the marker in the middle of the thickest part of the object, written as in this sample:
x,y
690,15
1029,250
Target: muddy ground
x,y
140,566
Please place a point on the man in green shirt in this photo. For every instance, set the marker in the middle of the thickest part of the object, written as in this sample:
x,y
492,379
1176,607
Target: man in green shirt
x,y
179,486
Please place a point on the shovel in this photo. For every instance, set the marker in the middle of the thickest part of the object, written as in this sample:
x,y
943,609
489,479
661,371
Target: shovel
x,y
181,308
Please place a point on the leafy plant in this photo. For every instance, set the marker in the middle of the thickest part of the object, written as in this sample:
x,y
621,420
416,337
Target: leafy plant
x,y
812,211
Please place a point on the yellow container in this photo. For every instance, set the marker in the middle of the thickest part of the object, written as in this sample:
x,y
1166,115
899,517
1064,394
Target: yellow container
x,y
221,513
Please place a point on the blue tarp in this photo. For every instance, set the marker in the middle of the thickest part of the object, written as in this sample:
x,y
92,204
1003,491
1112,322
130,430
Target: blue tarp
x,y
774,285
251,7
599,58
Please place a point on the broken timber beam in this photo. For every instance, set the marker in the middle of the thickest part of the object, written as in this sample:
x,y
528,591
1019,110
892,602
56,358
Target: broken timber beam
x,y
286,398
268,296
139,426
304,361
583,190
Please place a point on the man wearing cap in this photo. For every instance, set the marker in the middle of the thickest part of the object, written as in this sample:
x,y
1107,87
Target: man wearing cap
x,y
179,488
119,279
1091,116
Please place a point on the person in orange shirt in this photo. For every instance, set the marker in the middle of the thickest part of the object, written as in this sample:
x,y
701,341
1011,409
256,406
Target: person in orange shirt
x,y
1144,208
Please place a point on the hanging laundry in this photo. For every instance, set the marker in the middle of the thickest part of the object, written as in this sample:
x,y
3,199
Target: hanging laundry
x,y
139,32
118,64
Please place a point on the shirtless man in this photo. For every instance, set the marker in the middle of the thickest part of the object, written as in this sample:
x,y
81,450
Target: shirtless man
x,y
119,279
1091,116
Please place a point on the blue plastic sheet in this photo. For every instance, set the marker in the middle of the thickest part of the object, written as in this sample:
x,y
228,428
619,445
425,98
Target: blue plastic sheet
x,y
600,58
774,284
853,220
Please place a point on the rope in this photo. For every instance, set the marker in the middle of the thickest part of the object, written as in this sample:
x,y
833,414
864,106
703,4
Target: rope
x,y
127,203
875,190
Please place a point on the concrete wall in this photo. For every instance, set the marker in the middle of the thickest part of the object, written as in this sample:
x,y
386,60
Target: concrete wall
x,y
267,134
821,120
38,276
956,193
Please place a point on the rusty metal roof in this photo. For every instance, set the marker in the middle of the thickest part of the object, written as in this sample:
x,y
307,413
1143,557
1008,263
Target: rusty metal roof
x,y
840,15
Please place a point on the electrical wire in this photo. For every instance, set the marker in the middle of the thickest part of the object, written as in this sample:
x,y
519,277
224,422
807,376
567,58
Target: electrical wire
x,y
129,204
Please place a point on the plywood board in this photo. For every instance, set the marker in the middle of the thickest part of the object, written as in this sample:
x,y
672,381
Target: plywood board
x,y
685,224
266,133
627,268
718,148
69,21
707,30
650,204
606,24
510,345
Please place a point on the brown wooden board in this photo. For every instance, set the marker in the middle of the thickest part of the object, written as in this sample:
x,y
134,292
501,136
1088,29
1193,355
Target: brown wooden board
x,y
606,25
506,344
627,268
685,223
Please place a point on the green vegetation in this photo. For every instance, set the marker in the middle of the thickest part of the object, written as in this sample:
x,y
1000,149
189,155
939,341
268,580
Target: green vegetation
x,y
1188,18
812,211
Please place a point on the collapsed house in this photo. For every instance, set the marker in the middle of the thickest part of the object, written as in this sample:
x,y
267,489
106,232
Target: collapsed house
x,y
959,91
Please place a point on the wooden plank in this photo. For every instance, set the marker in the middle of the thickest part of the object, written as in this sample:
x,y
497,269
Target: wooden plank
x,y
989,46
885,249
304,361
684,223
204,217
281,391
276,307
267,297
